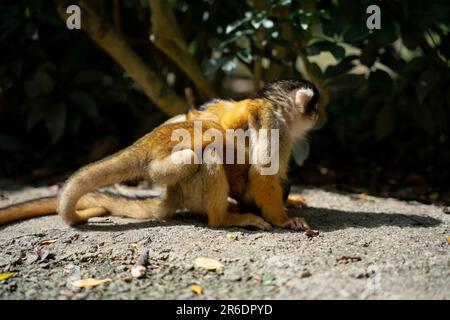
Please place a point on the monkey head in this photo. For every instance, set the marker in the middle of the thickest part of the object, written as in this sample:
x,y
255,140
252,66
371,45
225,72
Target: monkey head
x,y
295,101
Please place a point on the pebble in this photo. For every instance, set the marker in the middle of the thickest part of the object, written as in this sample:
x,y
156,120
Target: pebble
x,y
305,274
138,271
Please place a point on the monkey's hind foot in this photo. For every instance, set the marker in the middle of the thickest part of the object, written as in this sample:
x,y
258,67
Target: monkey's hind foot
x,y
242,220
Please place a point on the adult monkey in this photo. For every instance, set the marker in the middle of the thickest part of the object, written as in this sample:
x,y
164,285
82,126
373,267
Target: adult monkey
x,y
290,106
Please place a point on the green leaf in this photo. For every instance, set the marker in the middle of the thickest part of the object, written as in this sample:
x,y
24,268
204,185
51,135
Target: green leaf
x,y
387,34
236,24
341,67
40,84
234,37
8,143
230,65
85,103
348,81
245,55
336,26
38,109
90,77
280,42
213,65
381,80
258,19
385,122
355,33
281,3
56,121
267,23
316,48
427,80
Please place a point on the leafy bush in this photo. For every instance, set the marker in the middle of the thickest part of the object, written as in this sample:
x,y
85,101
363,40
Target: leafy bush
x,y
382,89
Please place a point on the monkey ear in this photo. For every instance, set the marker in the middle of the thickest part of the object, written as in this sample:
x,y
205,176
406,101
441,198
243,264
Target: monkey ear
x,y
302,97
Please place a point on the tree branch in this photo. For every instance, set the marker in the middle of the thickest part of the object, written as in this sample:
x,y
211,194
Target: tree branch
x,y
167,37
116,46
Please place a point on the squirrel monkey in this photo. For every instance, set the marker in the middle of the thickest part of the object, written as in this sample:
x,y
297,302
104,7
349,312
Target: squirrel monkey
x,y
289,106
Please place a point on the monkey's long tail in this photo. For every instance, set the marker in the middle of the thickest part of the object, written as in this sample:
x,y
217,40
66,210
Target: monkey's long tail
x,y
124,165
121,205
28,209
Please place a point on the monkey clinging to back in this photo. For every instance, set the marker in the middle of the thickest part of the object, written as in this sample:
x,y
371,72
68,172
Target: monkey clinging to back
x,y
289,106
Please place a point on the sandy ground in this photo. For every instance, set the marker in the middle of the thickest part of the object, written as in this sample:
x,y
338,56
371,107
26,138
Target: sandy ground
x,y
368,248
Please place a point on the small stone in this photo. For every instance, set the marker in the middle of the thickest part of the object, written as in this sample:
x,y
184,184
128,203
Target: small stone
x,y
231,236
143,258
305,274
138,271
312,233
361,275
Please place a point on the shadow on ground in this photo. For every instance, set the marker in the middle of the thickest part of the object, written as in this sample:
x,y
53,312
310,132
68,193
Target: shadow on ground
x,y
318,218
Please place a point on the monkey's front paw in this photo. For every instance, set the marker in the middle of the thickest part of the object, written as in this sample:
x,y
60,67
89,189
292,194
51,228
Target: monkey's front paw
x,y
296,223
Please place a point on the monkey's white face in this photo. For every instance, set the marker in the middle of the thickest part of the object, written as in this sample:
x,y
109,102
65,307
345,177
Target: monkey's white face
x,y
301,118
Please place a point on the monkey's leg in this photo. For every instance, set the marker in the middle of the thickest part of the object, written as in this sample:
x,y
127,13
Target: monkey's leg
x,y
85,214
97,204
243,220
211,182
267,193
174,168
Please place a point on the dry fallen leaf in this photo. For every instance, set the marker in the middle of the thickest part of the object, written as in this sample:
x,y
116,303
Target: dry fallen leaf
x,y
45,255
195,288
312,233
4,276
208,263
46,242
231,236
89,283
448,240
348,259
257,278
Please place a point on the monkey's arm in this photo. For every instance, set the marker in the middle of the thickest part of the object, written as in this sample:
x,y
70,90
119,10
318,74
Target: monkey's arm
x,y
267,193
266,188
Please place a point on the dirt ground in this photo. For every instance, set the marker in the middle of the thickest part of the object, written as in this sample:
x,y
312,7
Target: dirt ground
x,y
368,248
